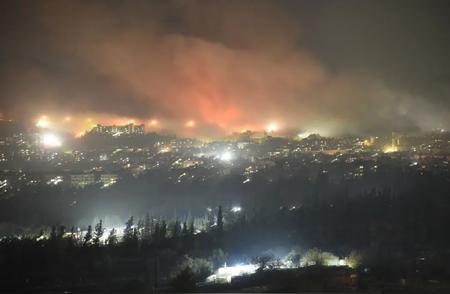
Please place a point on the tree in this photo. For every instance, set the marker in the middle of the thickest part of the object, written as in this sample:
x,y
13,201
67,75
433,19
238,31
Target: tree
x,y
201,268
163,230
354,260
61,232
88,237
135,238
98,233
147,232
184,231
316,257
210,218
184,281
53,233
140,229
294,258
112,238
220,219
156,232
264,261
72,237
128,231
191,228
176,229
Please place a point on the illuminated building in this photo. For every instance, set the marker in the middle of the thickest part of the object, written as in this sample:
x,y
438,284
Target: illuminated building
x,y
395,144
51,140
108,179
395,140
82,180
226,273
129,129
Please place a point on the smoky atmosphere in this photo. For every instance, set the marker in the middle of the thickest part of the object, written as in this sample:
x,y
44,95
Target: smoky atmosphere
x,y
296,146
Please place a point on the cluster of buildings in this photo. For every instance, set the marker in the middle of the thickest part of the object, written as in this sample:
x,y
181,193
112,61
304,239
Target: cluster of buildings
x,y
114,130
82,180
24,161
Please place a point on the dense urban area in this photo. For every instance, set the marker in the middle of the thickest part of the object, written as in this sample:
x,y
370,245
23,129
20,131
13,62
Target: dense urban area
x,y
224,146
118,209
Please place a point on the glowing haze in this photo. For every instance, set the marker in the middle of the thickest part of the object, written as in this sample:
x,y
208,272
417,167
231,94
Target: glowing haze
x,y
209,68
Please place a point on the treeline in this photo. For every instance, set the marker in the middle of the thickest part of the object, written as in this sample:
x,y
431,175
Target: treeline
x,y
148,254
401,233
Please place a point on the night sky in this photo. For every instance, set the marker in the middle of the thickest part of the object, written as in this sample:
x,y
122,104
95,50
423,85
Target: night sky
x,y
326,66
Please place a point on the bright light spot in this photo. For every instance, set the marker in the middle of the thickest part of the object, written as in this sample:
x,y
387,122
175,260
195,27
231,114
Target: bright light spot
x,y
390,149
226,156
40,238
190,124
3,183
55,181
43,122
80,134
51,141
67,119
227,273
236,209
153,122
165,149
109,183
335,261
272,127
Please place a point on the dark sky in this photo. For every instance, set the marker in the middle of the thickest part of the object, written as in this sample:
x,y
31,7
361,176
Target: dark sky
x,y
327,66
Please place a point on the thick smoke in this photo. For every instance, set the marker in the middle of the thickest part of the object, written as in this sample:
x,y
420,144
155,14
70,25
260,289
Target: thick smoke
x,y
228,65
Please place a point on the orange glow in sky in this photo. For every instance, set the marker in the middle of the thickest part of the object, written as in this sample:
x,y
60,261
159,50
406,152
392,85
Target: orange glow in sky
x,y
190,124
272,127
78,124
43,122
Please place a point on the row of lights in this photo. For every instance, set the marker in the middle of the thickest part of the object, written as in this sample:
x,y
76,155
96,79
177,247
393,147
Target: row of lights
x,y
44,122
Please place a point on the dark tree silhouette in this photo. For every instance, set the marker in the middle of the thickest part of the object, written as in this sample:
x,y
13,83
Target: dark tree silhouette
x,y
163,230
61,232
112,239
53,233
128,232
184,281
191,228
220,219
147,232
98,233
88,237
176,229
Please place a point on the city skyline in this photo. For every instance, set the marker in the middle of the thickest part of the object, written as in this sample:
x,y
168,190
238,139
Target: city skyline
x,y
225,146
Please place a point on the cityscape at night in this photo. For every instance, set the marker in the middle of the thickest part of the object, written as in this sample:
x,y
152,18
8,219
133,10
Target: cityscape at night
x,y
290,146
